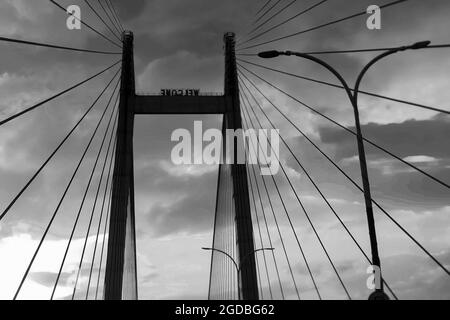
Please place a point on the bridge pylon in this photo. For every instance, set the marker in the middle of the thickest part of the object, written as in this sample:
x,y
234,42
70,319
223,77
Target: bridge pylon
x,y
247,277
120,274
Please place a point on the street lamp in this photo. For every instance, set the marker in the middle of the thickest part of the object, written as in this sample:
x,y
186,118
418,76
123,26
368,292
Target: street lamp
x,y
238,267
353,96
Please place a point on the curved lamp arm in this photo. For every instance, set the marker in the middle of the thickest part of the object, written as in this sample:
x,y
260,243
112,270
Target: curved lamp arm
x,y
324,64
238,268
223,252
353,97
252,253
415,46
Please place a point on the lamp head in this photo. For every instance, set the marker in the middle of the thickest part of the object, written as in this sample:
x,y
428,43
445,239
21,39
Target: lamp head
x,y
420,45
269,54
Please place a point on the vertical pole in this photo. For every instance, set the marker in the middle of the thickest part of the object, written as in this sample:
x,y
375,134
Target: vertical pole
x,y
214,234
121,230
247,277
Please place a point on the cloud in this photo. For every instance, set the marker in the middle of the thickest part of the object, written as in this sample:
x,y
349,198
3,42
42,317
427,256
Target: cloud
x,y
190,70
189,214
420,159
129,10
186,170
19,247
416,278
410,138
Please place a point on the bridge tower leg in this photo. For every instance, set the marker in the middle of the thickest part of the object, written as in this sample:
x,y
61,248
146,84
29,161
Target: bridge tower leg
x,y
244,227
120,274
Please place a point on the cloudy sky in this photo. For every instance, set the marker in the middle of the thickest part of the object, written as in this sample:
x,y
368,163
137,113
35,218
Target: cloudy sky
x,y
178,44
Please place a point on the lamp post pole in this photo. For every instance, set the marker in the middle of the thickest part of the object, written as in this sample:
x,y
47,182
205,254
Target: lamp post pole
x,y
236,265
353,96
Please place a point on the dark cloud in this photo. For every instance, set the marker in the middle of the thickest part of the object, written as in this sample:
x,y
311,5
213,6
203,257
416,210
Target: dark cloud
x,y
130,9
191,214
410,138
407,140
